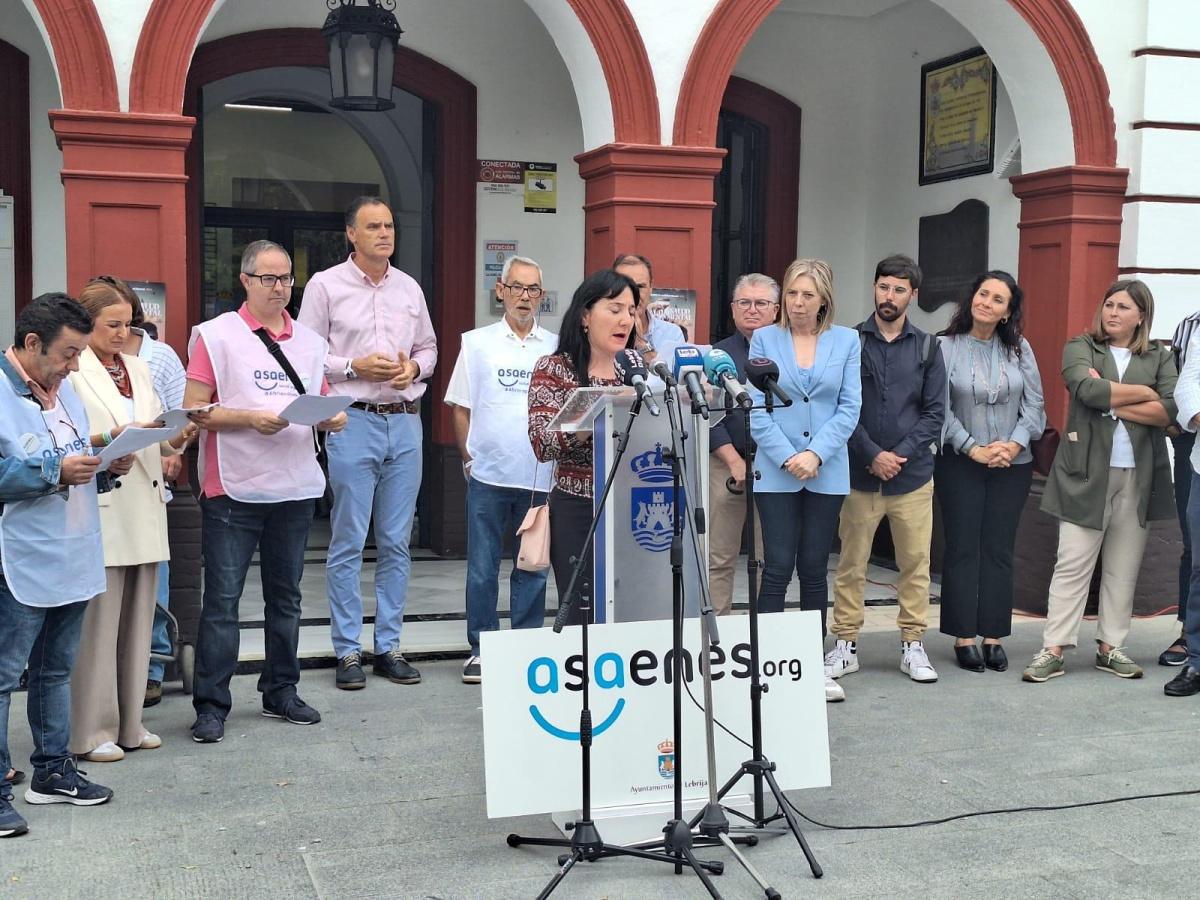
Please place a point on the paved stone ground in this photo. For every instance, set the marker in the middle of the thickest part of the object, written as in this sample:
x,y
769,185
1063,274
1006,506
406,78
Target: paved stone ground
x,y
385,797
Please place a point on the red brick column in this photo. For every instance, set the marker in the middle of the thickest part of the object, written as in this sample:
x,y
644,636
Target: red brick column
x,y
123,177
1070,233
656,201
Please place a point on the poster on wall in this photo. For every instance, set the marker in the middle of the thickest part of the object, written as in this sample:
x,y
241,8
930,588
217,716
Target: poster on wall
x,y
500,177
535,182
541,187
958,117
153,296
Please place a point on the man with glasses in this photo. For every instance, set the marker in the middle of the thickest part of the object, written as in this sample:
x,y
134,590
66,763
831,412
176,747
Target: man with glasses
x,y
52,562
891,470
755,304
488,393
260,481
382,348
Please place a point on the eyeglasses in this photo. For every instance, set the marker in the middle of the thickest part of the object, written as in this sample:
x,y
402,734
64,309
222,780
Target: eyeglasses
x,y
757,304
269,281
533,290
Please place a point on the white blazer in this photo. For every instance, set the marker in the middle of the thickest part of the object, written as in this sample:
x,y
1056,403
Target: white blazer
x,y
133,515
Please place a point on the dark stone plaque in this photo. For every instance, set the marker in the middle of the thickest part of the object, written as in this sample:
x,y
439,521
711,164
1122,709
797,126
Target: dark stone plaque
x,y
953,249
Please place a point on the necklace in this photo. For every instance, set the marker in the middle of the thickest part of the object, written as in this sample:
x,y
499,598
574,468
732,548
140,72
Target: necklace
x,y
991,391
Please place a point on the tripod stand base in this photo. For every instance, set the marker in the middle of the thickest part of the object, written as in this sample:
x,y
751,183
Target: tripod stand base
x,y
763,771
587,846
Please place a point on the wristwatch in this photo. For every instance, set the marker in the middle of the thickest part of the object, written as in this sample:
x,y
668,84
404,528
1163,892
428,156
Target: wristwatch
x,y
349,370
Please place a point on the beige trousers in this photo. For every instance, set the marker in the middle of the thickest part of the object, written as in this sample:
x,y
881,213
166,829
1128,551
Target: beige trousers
x,y
108,684
725,520
910,517
1122,540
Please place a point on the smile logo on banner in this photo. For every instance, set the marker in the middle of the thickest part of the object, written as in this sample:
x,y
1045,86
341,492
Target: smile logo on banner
x,y
608,673
650,503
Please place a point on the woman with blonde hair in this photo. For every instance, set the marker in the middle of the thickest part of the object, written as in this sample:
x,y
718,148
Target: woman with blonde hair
x,y
802,454
1110,477
108,684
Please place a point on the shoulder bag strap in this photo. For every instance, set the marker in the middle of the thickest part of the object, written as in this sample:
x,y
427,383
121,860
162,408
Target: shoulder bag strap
x,y
276,351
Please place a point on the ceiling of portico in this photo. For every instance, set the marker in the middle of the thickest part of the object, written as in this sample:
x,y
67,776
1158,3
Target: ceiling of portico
x,y
856,9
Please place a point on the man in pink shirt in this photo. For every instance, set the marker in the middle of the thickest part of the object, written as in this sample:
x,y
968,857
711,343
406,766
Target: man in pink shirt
x,y
260,480
381,350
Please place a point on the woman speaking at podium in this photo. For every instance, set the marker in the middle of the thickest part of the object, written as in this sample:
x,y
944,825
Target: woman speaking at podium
x,y
802,448
595,328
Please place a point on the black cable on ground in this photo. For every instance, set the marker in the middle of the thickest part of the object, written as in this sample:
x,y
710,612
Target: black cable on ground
x,y
991,812
954,818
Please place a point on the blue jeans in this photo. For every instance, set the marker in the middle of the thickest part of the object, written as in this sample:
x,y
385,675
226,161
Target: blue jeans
x,y
46,639
798,530
374,467
1183,482
232,532
160,641
493,512
1191,622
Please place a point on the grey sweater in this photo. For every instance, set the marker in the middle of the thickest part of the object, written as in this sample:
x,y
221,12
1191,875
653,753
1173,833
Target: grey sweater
x,y
993,395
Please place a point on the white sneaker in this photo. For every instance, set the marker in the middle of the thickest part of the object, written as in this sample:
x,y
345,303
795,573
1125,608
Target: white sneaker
x,y
842,659
833,691
915,664
106,752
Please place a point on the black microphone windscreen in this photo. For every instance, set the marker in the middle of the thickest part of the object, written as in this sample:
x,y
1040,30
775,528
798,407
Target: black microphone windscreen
x,y
759,369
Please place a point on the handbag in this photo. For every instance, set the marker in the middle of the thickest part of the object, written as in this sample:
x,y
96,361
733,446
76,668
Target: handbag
x,y
1043,450
534,532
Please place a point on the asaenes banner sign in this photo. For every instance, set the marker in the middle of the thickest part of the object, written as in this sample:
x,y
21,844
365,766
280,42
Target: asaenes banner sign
x,y
531,703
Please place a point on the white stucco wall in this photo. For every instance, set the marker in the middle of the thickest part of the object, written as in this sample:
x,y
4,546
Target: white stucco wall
x,y
18,28
527,111
857,82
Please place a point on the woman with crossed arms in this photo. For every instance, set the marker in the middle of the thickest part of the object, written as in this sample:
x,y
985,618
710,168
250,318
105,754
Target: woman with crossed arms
x,y
1111,476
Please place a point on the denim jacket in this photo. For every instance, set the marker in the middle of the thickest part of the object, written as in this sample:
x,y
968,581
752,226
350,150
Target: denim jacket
x,y
25,479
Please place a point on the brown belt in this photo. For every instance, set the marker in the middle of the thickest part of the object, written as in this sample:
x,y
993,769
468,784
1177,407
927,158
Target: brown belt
x,y
389,409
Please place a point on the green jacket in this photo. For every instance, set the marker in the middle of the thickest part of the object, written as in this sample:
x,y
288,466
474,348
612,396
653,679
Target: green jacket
x,y
1078,483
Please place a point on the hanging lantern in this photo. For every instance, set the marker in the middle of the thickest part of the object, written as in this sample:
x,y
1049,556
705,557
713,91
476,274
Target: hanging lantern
x,y
362,53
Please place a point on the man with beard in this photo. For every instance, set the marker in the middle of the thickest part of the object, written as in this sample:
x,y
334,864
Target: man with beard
x,y
891,469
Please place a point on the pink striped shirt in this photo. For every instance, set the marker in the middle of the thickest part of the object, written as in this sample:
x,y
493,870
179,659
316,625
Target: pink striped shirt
x,y
359,317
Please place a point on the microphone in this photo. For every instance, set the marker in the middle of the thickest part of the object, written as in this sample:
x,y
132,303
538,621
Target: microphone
x,y
689,366
764,375
663,371
631,369
719,367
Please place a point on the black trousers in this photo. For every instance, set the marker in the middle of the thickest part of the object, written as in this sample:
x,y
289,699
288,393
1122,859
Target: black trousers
x,y
981,508
570,517
798,530
1183,486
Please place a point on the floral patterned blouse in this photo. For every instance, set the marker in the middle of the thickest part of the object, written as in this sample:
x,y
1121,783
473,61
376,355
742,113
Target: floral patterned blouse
x,y
551,384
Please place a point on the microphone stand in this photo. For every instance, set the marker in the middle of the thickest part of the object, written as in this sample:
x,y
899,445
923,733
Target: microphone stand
x,y
585,842
713,823
759,768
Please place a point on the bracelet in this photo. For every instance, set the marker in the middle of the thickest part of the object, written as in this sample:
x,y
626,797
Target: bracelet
x,y
106,438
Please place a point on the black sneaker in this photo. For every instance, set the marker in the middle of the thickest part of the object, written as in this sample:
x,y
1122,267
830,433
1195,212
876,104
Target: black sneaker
x,y
294,710
209,728
153,693
11,823
66,786
394,667
1176,654
350,674
472,671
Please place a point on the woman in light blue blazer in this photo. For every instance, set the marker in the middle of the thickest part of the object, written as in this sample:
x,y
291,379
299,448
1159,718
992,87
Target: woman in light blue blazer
x,y
802,448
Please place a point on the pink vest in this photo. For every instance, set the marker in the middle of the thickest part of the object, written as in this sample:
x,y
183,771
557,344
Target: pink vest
x,y
258,468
